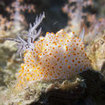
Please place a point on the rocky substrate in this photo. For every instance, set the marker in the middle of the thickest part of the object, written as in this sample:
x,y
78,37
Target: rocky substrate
x,y
86,89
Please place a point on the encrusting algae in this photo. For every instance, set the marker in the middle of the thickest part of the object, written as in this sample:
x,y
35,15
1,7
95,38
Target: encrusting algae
x,y
53,57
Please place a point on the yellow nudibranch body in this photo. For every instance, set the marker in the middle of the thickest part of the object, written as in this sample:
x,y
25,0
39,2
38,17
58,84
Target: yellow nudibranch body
x,y
55,56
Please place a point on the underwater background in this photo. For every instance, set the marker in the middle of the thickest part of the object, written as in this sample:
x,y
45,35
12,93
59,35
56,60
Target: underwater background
x,y
87,88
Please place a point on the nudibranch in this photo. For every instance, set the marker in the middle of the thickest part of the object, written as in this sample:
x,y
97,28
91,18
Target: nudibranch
x,y
53,57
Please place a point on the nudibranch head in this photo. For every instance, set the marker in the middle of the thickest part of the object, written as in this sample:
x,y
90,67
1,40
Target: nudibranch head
x,y
53,57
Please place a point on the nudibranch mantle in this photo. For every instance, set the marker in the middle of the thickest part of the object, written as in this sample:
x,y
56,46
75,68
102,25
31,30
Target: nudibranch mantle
x,y
53,57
